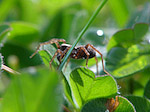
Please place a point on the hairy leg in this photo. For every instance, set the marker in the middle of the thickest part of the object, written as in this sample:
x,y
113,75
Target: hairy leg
x,y
101,56
56,41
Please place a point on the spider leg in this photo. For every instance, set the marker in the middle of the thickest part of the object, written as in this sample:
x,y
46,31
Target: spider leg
x,y
100,54
65,51
96,64
62,55
56,41
58,51
86,52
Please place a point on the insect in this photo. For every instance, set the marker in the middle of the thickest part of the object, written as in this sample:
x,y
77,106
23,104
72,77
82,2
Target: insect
x,y
80,52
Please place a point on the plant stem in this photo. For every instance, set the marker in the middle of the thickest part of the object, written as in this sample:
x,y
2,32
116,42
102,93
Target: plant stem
x,y
7,69
82,33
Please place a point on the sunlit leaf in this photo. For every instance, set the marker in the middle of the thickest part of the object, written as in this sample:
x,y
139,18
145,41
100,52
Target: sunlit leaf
x,y
85,86
37,92
140,104
123,62
124,105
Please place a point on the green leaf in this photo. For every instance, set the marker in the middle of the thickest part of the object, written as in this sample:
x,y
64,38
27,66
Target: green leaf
x,y
147,90
140,30
47,52
23,33
140,104
125,105
85,86
127,37
37,92
4,29
96,105
67,91
101,105
123,62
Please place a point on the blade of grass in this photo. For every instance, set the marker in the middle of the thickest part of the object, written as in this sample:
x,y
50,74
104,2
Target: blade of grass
x,y
81,33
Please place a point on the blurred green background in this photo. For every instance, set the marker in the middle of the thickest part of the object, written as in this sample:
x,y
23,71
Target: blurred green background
x,y
32,21
25,23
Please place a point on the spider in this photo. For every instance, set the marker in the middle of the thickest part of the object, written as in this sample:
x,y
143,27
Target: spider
x,y
80,52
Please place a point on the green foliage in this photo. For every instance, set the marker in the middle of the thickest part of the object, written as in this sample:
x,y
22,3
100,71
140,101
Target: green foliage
x,y
37,92
125,105
85,86
126,38
127,59
140,104
96,105
100,105
126,52
147,90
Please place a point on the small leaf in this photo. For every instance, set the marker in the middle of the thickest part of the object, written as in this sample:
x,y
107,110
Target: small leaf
x,y
47,52
140,104
120,104
147,90
37,92
124,105
4,29
85,86
23,33
128,37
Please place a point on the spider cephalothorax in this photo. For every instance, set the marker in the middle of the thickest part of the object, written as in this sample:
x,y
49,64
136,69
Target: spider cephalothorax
x,y
79,52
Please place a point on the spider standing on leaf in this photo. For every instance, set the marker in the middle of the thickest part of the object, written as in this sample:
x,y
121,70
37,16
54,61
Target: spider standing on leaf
x,y
80,52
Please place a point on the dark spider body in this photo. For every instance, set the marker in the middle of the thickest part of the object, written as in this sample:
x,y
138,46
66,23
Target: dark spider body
x,y
80,52
76,51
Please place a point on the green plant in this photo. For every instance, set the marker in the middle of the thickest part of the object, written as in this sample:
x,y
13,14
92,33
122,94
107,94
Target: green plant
x,y
36,88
